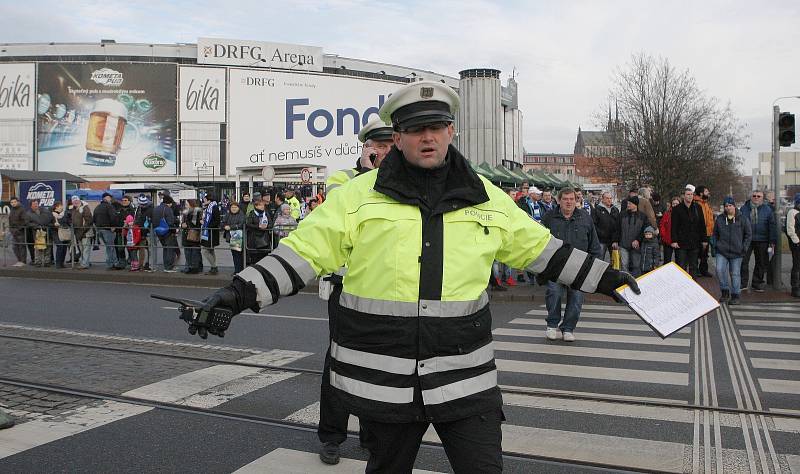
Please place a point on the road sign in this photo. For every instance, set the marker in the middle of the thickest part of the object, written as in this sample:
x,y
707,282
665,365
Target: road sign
x,y
305,175
268,173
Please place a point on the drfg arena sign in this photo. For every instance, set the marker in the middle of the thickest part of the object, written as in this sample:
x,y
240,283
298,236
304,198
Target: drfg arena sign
x,y
46,192
291,118
259,54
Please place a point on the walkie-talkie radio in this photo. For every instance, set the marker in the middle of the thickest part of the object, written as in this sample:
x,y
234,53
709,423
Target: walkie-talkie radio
x,y
203,322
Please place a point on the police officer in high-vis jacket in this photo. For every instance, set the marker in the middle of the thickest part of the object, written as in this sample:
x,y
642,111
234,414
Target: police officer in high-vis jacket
x,y
412,343
333,416
377,139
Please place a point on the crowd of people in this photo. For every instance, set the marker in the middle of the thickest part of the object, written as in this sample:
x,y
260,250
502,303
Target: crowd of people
x,y
643,232
130,228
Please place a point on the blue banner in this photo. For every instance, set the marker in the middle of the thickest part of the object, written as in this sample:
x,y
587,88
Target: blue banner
x,y
47,192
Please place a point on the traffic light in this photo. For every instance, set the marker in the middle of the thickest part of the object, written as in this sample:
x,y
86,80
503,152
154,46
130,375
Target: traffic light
x,y
786,134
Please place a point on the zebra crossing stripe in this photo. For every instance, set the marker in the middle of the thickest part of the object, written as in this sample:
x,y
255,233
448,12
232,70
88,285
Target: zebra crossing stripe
x,y
593,352
616,338
764,323
779,364
770,334
780,386
593,372
768,347
598,325
588,314
290,461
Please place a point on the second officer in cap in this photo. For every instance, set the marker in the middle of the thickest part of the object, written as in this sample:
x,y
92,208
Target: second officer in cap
x,y
377,139
412,344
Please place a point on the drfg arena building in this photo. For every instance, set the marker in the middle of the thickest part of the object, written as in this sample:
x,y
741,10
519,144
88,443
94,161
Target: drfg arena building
x,y
218,113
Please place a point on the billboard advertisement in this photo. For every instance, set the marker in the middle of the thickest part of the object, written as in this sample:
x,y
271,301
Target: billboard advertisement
x,y
17,91
282,118
101,119
47,192
259,54
202,97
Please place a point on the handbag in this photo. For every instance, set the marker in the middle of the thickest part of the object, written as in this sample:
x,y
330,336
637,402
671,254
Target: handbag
x,y
64,234
193,235
163,228
40,240
236,240
616,263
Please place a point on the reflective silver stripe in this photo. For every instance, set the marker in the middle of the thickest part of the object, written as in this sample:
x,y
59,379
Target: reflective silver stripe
x,y
279,272
341,271
252,275
539,265
351,173
572,267
460,389
370,391
452,309
384,363
331,187
296,261
593,277
382,307
475,358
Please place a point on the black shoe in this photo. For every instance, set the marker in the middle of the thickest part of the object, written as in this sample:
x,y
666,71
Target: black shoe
x,y
362,438
499,288
706,274
796,292
726,296
758,289
329,454
212,271
734,300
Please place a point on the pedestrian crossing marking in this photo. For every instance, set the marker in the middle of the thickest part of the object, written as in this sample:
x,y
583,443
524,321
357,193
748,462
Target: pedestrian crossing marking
x,y
290,461
602,307
765,323
586,336
779,364
185,385
769,347
771,334
761,310
593,352
598,325
35,433
584,314
780,386
593,372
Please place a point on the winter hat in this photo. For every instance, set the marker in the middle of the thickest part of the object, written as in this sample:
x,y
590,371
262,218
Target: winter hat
x,y
129,220
634,200
143,199
107,194
729,200
797,199
689,187
75,197
649,229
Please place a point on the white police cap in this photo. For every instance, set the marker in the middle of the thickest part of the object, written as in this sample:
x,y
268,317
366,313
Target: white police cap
x,y
375,129
420,103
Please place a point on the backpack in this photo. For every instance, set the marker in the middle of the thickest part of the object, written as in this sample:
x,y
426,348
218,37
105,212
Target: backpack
x,y
163,228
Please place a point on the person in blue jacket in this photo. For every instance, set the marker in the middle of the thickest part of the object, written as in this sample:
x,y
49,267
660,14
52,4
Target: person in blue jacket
x,y
762,221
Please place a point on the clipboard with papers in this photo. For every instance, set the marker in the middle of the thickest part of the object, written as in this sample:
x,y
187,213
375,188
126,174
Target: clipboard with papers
x,y
670,299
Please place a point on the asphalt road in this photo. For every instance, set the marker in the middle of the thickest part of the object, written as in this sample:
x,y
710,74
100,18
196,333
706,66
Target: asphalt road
x,y
746,359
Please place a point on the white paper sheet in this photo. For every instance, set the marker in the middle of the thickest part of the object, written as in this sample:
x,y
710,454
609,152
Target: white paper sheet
x,y
670,299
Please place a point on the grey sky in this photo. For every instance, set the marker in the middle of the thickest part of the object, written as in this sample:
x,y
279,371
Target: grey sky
x,y
564,52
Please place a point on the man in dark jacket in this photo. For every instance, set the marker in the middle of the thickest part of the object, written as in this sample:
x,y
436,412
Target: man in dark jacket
x,y
793,233
688,232
106,221
18,225
169,242
574,227
125,209
732,233
81,220
762,220
606,223
631,232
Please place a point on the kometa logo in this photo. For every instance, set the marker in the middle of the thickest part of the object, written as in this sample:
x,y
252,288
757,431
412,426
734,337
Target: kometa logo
x,y
43,192
107,77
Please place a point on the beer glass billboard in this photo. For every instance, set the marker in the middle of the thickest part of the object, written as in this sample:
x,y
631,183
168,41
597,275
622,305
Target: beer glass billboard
x,y
107,118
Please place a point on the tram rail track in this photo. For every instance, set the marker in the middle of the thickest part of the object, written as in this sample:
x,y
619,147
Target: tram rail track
x,y
504,389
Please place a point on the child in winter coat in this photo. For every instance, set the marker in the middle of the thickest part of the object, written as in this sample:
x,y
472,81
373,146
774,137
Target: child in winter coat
x,y
651,253
132,234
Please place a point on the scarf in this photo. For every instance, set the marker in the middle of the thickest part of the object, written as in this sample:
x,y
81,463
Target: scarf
x,y
536,210
205,233
753,213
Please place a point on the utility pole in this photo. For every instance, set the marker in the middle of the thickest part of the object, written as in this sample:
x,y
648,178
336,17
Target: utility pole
x,y
777,283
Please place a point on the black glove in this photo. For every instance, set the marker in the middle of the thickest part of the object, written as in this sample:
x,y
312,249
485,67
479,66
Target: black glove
x,y
613,279
218,309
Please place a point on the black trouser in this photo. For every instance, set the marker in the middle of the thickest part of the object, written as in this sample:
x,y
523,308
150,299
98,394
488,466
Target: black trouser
x,y
795,274
668,251
687,259
703,260
472,444
333,416
759,250
29,239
